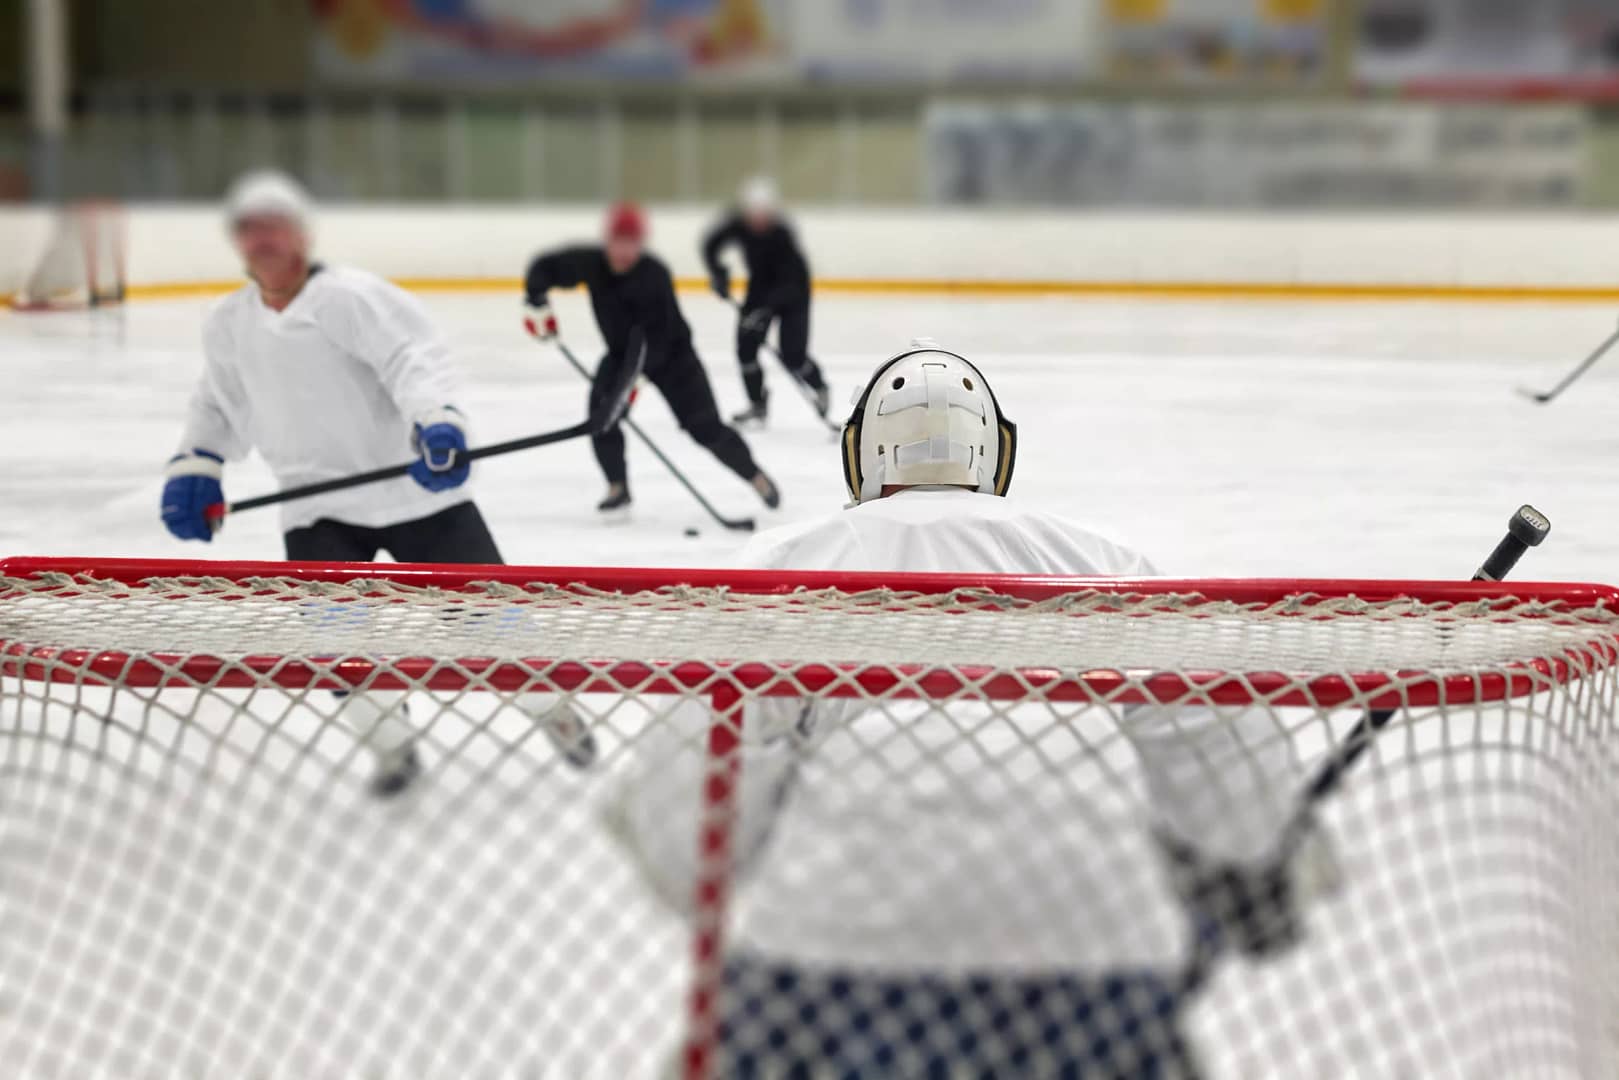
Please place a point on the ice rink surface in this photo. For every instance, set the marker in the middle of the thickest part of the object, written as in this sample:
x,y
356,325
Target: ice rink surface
x,y
1238,438
1223,439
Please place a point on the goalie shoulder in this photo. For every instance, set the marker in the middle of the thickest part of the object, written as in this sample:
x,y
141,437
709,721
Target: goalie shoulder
x,y
946,530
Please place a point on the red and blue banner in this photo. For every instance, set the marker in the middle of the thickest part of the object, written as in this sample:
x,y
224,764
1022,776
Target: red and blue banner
x,y
512,41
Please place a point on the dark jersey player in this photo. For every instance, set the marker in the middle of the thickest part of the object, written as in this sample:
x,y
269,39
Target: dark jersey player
x,y
778,291
633,297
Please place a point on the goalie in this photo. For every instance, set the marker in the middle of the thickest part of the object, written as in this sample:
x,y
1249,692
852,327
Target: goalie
x,y
921,892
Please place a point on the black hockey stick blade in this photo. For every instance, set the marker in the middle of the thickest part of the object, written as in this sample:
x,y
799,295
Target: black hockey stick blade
x,y
1541,397
734,524
390,472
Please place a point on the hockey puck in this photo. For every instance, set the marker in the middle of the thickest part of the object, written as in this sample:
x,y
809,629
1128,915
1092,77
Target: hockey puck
x,y
692,531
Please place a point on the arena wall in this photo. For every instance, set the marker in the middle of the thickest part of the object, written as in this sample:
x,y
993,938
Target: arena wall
x,y
174,250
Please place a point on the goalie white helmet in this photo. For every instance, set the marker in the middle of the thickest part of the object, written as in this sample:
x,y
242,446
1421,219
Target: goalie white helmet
x,y
927,417
267,193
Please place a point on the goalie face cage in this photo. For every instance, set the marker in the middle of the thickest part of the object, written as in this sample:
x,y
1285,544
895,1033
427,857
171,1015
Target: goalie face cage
x,y
83,263
848,824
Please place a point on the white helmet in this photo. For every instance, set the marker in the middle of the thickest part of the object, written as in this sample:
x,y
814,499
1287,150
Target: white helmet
x,y
927,417
267,193
759,195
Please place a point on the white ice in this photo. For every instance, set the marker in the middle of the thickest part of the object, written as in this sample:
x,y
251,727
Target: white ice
x,y
1222,438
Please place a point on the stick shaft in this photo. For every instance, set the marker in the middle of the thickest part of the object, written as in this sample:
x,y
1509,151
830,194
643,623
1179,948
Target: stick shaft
x,y
805,390
1500,563
390,472
740,524
1585,365
1529,527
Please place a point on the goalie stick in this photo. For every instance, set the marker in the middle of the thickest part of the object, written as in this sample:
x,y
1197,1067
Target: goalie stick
x,y
1542,397
1528,528
219,511
738,524
804,388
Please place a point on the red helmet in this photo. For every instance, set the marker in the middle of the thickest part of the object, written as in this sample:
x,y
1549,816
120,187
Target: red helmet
x,y
625,221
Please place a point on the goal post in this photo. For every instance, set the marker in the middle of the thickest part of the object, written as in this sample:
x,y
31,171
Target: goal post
x,y
83,262
891,819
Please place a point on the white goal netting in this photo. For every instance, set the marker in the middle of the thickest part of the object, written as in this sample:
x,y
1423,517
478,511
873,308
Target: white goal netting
x,y
730,824
82,264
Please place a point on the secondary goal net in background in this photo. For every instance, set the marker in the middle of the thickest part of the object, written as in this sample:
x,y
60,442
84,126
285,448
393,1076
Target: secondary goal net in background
x,y
891,821
82,264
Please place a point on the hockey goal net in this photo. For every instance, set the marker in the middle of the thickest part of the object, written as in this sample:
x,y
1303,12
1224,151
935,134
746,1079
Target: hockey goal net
x,y
82,263
834,825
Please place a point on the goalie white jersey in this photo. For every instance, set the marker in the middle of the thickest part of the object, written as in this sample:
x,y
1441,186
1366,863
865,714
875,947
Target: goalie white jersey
x,y
944,530
911,836
329,387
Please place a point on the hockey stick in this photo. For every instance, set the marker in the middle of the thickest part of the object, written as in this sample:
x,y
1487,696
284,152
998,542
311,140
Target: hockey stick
x,y
804,388
1527,529
1542,397
390,472
738,524
219,511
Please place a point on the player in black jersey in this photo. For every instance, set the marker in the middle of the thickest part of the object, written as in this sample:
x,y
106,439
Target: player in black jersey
x,y
633,297
778,290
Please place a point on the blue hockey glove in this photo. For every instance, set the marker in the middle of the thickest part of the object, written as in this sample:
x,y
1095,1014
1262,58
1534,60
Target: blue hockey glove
x,y
442,444
191,491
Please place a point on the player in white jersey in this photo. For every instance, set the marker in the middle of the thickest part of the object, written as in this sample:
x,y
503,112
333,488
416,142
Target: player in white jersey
x,y
917,895
329,371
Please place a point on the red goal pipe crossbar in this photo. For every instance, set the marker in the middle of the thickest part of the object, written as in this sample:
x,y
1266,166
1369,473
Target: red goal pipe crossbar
x,y
1370,689
455,577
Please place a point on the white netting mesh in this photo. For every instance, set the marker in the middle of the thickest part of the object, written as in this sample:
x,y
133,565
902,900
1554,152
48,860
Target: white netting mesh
x,y
814,832
82,264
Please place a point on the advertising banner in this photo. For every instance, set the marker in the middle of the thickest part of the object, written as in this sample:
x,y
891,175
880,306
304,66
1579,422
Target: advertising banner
x,y
985,40
1284,156
1498,47
496,42
1217,41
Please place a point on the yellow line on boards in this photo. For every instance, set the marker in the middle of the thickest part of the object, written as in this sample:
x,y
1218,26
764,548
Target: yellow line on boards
x,y
1167,290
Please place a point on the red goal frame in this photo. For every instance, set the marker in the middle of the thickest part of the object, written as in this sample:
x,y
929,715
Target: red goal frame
x,y
728,683
1277,688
